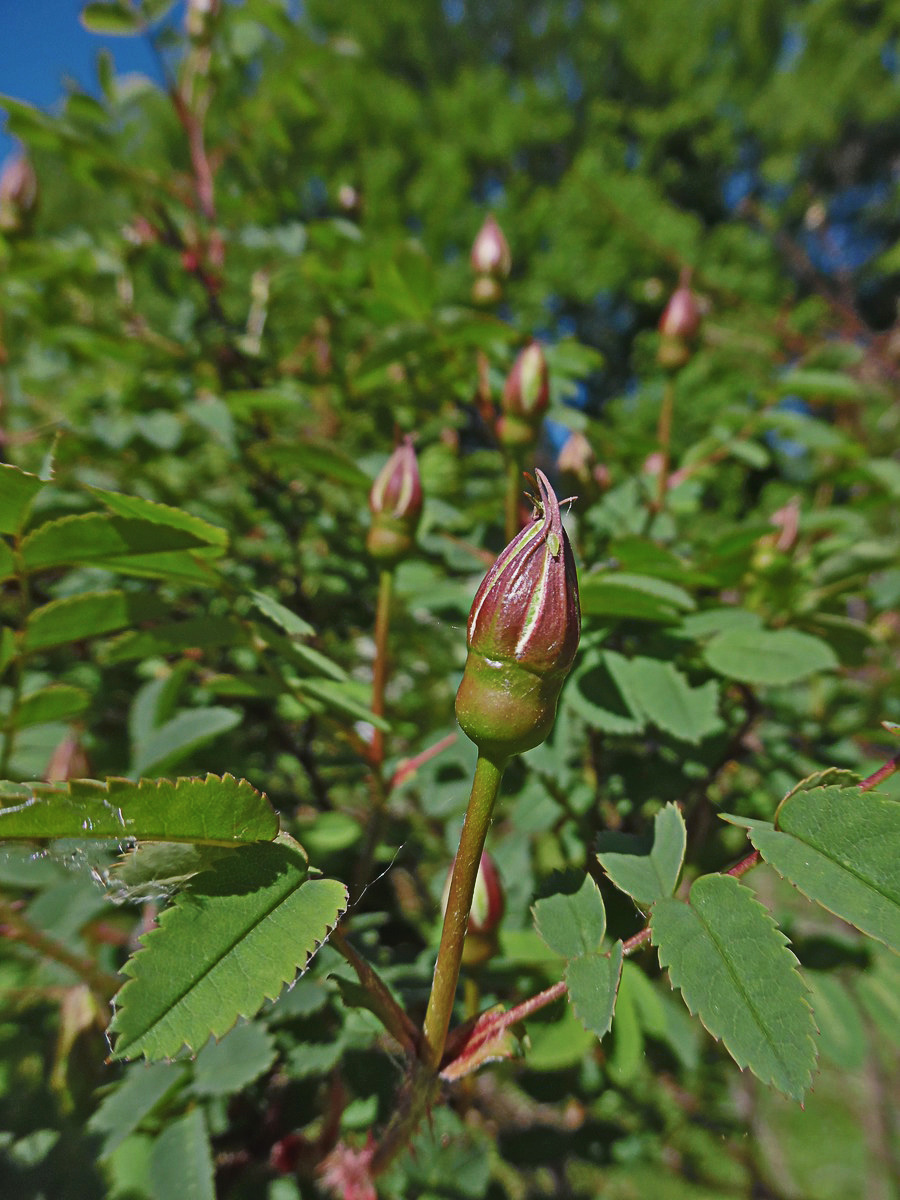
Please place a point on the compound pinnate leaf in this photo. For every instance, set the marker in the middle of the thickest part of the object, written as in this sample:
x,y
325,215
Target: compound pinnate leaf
x,y
734,969
649,877
217,810
181,1162
572,924
593,981
232,940
838,845
768,656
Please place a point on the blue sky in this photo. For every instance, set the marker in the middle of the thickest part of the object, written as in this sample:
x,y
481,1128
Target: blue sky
x,y
42,44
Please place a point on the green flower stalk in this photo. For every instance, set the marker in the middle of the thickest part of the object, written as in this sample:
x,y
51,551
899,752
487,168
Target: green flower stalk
x,y
395,503
523,633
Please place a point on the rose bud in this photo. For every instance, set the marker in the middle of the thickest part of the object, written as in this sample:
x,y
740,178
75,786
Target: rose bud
x,y
580,471
522,636
526,397
490,251
679,326
485,915
395,503
18,193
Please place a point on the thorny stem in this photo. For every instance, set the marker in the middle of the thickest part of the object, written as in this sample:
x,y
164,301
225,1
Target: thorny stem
x,y
15,926
485,786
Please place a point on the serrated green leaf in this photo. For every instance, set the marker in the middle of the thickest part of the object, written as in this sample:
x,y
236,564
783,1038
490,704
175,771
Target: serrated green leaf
x,y
842,1037
343,697
112,19
181,1162
135,547
593,981
218,811
636,597
772,657
139,509
224,1067
651,876
838,846
313,1058
58,702
17,490
88,615
732,965
664,696
718,620
627,1053
594,693
173,637
293,625
170,742
144,1086
222,948
573,923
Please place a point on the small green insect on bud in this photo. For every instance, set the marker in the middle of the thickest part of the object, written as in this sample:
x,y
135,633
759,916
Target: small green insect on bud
x,y
526,397
395,503
523,633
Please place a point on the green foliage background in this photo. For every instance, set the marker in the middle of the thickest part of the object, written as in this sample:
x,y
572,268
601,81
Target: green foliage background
x,y
248,367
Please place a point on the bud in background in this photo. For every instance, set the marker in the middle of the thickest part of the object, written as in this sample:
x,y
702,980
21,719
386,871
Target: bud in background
x,y
68,761
523,633
395,503
679,326
18,194
526,397
580,471
486,913
491,261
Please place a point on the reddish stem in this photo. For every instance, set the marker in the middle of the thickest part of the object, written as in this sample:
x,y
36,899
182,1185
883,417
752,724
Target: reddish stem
x,y
883,772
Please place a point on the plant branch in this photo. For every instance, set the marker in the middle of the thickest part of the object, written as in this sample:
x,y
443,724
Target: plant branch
x,y
385,1007
883,772
17,927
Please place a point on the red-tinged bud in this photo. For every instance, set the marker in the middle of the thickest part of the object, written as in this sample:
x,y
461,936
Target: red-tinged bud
x,y
523,633
526,397
68,761
490,251
679,326
488,902
395,503
18,193
346,1172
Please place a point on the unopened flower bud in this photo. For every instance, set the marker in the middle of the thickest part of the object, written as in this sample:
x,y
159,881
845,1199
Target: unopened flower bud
x,y
488,901
679,326
486,290
526,397
18,193
68,761
395,503
490,251
523,633
578,466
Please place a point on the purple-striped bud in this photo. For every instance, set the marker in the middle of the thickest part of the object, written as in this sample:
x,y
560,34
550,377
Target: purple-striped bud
x,y
490,251
526,397
395,503
523,633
